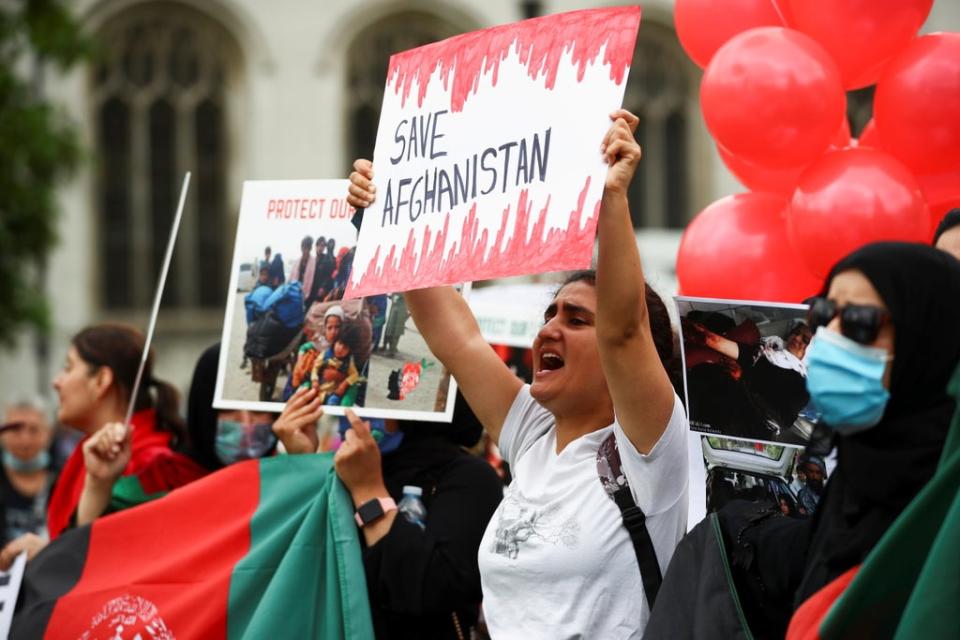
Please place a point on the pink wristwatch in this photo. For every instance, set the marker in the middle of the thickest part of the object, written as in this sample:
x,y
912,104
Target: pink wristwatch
x,y
372,510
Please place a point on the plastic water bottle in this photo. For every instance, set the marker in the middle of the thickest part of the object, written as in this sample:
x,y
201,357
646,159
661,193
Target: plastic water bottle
x,y
411,506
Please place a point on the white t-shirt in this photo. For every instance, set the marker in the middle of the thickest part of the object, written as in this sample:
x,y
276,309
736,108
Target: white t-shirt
x,y
556,560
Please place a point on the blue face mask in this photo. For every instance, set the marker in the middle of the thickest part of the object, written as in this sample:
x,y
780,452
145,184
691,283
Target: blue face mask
x,y
236,441
36,463
386,442
845,381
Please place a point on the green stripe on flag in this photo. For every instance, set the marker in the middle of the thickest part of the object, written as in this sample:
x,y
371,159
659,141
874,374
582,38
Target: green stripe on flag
x,y
128,492
303,576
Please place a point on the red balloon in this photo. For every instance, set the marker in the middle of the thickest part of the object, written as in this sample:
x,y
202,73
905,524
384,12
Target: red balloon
x,y
774,179
860,35
917,104
759,178
850,198
841,138
869,137
783,10
940,187
772,96
737,248
942,192
703,26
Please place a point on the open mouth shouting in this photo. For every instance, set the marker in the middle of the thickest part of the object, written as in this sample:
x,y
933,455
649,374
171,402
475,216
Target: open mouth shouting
x,y
549,361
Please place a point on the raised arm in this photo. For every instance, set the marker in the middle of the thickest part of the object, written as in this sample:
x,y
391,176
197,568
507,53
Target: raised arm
x,y
643,396
447,324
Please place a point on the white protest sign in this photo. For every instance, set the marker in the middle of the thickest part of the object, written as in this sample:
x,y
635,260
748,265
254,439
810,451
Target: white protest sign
x,y
487,158
9,591
511,314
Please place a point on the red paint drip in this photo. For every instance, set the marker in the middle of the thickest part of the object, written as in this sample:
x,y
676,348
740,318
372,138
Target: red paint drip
x,y
540,43
467,259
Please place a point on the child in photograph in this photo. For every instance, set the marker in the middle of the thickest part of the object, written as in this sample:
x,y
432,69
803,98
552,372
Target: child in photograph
x,y
335,374
316,344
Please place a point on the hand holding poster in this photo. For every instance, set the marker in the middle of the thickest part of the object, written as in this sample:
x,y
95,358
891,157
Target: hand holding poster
x,y
488,152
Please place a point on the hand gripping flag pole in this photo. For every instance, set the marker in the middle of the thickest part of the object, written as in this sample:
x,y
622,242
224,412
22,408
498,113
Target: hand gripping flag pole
x,y
156,299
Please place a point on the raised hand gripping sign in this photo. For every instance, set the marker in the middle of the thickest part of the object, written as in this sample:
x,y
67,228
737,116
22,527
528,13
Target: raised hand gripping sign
x,y
488,158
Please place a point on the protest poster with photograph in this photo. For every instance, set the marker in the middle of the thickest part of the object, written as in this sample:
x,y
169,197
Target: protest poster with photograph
x,y
745,383
487,158
743,369
287,325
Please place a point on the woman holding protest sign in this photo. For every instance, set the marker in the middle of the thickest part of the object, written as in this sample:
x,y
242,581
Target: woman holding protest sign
x,y
556,559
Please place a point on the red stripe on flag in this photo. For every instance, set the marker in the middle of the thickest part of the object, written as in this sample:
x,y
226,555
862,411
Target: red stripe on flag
x,y
806,621
163,569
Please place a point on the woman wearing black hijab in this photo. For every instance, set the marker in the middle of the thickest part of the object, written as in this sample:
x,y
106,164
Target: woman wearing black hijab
x,y
881,467
886,344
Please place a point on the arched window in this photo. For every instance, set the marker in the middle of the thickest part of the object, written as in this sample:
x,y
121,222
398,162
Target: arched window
x,y
159,99
662,92
367,60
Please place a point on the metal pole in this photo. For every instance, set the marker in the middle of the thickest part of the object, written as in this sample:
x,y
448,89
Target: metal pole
x,y
156,299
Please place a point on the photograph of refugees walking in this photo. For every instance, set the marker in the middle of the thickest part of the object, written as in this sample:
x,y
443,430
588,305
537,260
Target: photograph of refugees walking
x,y
289,327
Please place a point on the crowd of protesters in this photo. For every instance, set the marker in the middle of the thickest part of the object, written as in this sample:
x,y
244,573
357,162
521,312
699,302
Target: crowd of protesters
x,y
588,538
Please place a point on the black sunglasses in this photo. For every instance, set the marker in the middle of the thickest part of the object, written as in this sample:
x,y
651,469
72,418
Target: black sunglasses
x,y
859,322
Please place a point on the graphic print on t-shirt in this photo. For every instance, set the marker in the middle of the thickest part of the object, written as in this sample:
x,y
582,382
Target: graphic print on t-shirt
x,y
518,525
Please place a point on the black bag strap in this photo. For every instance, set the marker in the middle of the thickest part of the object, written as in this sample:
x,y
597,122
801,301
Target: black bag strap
x,y
615,484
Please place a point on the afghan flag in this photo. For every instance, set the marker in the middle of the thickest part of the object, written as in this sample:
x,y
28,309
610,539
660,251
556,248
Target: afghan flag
x,y
909,584
265,548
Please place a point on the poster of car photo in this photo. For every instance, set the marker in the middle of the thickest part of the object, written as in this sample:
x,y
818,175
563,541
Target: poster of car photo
x,y
287,327
744,371
789,477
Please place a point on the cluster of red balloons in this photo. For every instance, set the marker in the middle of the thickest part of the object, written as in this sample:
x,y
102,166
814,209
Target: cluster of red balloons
x,y
773,97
